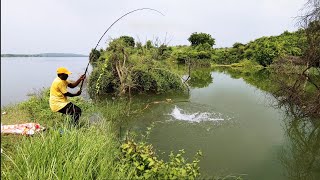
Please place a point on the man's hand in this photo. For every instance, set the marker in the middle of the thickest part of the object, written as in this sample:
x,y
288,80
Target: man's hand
x,y
78,93
75,84
82,77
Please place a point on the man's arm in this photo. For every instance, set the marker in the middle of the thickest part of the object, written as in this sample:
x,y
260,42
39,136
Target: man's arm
x,y
71,94
75,84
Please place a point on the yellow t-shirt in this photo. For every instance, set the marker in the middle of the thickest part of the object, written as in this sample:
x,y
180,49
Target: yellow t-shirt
x,y
57,100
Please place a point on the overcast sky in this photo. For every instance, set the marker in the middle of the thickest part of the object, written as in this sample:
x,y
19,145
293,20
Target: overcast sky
x,y
75,26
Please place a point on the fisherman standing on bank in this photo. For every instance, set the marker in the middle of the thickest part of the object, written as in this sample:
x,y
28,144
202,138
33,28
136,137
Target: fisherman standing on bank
x,y
58,95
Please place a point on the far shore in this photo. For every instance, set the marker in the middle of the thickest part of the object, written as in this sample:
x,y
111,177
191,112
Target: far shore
x,y
45,55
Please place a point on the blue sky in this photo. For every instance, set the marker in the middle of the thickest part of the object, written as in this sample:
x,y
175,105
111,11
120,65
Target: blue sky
x,y
75,26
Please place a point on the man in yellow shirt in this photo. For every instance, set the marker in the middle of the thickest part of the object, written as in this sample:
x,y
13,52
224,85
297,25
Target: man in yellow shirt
x,y
58,94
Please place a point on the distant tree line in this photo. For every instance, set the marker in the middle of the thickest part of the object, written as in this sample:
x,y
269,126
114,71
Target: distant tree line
x,y
263,51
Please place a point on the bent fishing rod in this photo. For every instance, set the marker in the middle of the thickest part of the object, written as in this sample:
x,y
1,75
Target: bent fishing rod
x,y
110,28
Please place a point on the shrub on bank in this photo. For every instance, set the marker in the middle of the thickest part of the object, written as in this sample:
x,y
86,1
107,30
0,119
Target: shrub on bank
x,y
124,72
147,165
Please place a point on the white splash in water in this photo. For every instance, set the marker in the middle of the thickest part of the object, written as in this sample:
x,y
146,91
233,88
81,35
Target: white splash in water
x,y
179,114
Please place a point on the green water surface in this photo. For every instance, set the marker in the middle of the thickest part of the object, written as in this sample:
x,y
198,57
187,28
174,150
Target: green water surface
x,y
244,135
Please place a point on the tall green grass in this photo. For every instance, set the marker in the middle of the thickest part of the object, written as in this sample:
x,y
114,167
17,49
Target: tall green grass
x,y
86,153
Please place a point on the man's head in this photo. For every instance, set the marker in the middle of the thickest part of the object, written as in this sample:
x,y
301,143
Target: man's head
x,y
63,73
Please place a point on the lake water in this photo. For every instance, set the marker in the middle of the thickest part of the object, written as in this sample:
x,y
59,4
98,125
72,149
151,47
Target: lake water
x,y
229,120
21,76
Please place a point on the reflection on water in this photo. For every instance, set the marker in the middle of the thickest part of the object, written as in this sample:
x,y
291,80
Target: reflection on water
x,y
200,78
261,78
301,153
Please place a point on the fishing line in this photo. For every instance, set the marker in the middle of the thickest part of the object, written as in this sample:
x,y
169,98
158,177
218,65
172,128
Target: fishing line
x,y
110,28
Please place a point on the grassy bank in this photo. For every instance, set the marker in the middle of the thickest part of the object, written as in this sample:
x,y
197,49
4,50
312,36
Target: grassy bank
x,y
92,151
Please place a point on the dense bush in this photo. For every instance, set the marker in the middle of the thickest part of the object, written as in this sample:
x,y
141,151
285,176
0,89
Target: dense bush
x,y
182,56
94,56
126,70
264,50
267,49
147,165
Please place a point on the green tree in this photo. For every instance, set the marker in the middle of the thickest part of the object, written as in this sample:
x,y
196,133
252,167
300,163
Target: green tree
x,y
94,56
201,38
149,44
128,40
265,56
237,45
